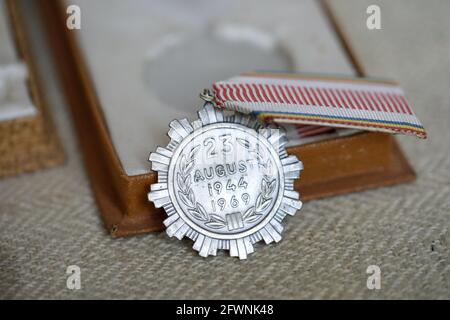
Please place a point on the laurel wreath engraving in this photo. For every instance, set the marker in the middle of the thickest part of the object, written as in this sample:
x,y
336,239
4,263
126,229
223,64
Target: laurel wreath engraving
x,y
263,201
184,184
187,194
215,221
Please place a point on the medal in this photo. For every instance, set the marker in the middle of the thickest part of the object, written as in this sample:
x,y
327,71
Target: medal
x,y
225,181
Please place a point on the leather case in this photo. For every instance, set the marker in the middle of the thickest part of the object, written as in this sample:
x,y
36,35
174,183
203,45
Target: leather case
x,y
28,143
347,164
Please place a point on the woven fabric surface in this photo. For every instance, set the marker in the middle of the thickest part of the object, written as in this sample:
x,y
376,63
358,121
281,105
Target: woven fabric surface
x,y
49,220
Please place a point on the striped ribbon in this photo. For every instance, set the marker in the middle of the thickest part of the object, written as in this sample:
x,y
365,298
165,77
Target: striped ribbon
x,y
357,103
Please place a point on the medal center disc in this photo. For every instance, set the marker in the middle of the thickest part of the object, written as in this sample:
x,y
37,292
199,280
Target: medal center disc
x,y
225,180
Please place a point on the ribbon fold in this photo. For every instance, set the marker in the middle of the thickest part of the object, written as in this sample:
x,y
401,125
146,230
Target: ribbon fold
x,y
357,103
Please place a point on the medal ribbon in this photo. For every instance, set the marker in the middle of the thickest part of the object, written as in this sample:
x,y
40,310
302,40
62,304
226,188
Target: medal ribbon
x,y
357,103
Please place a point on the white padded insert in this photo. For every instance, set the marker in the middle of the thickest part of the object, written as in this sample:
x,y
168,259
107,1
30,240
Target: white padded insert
x,y
15,101
150,59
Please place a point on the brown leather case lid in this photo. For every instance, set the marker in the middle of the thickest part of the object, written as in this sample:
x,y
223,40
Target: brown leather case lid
x,y
347,164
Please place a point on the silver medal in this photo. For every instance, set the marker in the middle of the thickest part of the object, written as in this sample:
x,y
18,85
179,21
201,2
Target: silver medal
x,y
226,182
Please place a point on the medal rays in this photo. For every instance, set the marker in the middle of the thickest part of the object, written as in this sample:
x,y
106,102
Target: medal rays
x,y
208,245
